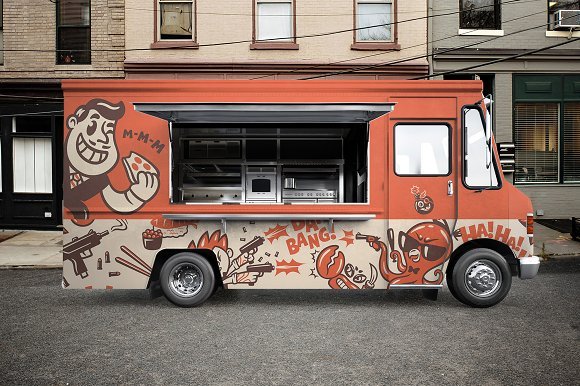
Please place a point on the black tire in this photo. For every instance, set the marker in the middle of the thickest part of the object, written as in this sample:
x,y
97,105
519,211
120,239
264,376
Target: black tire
x,y
449,279
480,278
187,279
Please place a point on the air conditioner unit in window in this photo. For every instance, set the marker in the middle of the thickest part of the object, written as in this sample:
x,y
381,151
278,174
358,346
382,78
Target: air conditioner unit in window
x,y
567,19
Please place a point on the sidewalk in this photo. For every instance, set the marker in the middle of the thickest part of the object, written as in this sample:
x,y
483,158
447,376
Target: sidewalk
x,y
39,249
43,249
549,243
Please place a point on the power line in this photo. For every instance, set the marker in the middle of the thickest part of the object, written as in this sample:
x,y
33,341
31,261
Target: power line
x,y
527,53
34,113
321,34
421,56
383,53
29,97
297,15
402,60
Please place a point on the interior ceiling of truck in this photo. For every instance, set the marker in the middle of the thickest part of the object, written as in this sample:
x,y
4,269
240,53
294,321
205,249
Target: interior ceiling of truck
x,y
265,112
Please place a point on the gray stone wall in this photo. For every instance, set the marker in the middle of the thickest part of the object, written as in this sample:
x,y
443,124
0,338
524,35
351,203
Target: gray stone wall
x,y
557,200
444,26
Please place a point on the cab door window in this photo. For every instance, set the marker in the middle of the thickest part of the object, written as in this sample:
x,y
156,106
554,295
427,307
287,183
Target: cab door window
x,y
422,149
479,168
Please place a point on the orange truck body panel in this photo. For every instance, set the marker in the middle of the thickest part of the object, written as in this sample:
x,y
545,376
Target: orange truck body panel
x,y
120,257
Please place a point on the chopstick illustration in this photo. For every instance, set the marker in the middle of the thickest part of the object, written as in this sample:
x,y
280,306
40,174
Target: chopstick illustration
x,y
129,265
132,255
146,270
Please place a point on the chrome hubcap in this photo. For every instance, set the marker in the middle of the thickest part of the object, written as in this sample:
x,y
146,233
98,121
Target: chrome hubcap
x,y
185,280
483,278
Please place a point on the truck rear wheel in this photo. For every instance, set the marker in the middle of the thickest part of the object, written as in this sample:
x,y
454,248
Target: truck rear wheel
x,y
187,279
480,278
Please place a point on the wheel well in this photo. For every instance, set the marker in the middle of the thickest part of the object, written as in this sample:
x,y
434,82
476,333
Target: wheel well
x,y
164,255
494,245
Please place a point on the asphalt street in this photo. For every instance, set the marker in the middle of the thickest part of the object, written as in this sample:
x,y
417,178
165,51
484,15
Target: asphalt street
x,y
53,336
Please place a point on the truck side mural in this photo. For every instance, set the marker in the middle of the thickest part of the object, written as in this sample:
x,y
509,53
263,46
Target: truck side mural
x,y
143,191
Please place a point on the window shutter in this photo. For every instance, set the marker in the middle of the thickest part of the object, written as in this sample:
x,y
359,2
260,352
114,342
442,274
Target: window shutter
x,y
536,140
571,142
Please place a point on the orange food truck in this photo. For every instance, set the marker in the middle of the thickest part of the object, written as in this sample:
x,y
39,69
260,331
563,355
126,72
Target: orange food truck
x,y
185,186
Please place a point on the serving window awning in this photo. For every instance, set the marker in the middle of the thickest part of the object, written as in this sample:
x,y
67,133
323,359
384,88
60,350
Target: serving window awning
x,y
266,112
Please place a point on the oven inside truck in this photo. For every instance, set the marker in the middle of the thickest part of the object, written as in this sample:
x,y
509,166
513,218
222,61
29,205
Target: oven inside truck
x,y
269,153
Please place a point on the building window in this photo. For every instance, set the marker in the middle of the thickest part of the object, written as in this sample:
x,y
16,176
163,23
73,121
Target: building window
x,y
480,14
73,30
422,149
571,142
374,21
563,5
375,26
536,138
32,154
176,20
274,25
274,20
1,33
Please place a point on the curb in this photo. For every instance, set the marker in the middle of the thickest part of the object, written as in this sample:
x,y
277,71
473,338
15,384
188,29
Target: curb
x,y
14,267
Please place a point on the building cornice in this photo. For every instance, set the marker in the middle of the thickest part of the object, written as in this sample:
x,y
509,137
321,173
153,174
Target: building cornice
x,y
265,68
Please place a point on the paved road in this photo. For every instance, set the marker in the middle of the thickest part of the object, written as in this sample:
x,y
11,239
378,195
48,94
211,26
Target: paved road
x,y
53,336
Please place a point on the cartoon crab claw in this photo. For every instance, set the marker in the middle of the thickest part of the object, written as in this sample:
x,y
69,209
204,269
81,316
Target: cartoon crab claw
x,y
374,274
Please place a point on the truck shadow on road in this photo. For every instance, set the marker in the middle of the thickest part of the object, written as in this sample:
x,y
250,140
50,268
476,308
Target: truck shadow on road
x,y
276,298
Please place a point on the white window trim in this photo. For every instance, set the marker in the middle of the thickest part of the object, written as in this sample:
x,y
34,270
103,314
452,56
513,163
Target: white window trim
x,y
480,32
562,34
257,24
193,20
392,2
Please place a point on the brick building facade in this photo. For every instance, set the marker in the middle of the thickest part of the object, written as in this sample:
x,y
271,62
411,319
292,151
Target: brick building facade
x,y
280,39
41,46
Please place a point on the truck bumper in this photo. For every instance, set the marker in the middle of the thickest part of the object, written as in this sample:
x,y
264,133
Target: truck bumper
x,y
529,267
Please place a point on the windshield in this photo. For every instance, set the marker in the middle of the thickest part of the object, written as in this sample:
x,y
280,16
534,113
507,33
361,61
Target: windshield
x,y
479,170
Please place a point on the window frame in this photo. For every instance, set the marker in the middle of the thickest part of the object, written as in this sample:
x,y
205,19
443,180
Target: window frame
x,y
560,180
13,134
494,159
497,15
273,45
376,45
558,133
561,145
58,35
174,43
449,144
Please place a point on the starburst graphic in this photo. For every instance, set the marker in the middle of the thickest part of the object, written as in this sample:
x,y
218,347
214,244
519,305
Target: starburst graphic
x,y
348,237
312,273
287,267
314,255
276,232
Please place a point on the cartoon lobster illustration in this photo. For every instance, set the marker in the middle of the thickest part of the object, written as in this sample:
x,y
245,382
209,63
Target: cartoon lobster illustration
x,y
330,264
425,247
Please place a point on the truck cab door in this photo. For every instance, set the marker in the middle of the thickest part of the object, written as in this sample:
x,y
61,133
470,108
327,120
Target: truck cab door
x,y
421,200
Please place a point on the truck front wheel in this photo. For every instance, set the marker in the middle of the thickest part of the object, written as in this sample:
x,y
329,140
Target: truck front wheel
x,y
187,279
481,278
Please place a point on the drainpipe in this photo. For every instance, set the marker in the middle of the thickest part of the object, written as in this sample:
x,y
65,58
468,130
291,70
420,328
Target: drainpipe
x,y
429,35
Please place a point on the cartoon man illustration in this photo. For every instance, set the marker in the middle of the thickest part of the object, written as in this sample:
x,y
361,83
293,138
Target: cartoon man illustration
x,y
90,153
236,270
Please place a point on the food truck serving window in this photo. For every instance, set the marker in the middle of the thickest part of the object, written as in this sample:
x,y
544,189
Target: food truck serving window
x,y
269,153
422,149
